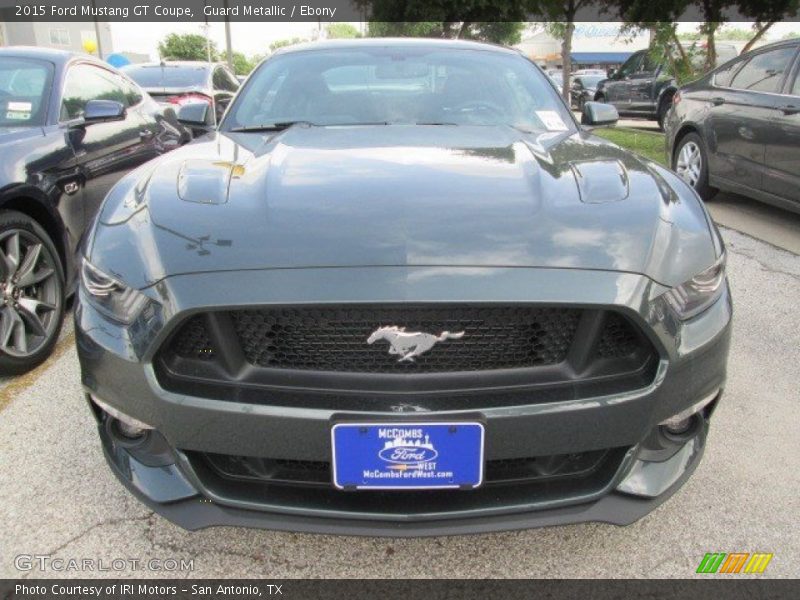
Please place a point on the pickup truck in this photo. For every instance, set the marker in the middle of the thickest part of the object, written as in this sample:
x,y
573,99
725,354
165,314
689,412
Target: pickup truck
x,y
644,87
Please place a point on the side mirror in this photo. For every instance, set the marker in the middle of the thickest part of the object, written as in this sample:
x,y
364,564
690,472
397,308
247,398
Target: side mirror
x,y
99,111
197,115
611,72
598,113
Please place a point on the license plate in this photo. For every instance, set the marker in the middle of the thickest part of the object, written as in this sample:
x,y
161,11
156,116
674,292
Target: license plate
x,y
407,456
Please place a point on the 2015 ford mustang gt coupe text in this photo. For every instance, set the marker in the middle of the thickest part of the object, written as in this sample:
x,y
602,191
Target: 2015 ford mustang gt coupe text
x,y
400,291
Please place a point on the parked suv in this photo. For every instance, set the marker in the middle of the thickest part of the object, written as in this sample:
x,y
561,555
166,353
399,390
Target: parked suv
x,y
644,87
738,128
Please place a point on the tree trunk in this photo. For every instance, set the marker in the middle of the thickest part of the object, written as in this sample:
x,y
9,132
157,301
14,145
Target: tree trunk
x,y
759,34
566,51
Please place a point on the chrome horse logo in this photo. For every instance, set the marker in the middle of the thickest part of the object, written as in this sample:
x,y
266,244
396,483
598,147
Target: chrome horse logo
x,y
409,345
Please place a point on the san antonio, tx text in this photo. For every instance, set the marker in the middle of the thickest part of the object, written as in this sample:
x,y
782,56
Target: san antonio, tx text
x,y
238,591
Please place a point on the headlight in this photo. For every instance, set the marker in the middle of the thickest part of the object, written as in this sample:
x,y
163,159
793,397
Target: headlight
x,y
110,296
700,292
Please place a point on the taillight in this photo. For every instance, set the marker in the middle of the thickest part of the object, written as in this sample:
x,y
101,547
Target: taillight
x,y
189,98
676,99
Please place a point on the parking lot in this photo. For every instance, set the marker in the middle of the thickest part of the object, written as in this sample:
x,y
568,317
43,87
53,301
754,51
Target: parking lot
x,y
58,498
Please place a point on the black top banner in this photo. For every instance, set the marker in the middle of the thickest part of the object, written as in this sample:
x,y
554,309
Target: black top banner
x,y
396,10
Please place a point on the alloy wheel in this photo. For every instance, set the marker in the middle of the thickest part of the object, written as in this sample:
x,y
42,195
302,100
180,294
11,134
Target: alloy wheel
x,y
30,293
690,163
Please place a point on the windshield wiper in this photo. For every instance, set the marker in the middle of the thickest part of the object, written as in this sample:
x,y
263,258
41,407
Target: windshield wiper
x,y
436,123
279,126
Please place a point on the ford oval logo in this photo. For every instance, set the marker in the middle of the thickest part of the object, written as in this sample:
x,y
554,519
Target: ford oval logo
x,y
404,451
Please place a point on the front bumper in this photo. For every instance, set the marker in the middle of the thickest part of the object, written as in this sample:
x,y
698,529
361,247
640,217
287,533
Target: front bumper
x,y
647,468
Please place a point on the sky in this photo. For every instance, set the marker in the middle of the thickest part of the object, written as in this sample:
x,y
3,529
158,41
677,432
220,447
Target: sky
x,y
255,38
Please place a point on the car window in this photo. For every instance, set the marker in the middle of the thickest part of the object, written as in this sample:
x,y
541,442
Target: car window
x,y
795,91
133,92
722,78
87,82
764,72
231,83
24,91
648,64
630,66
399,85
223,81
168,75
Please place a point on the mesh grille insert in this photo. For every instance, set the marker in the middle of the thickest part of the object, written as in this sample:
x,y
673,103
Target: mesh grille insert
x,y
192,340
335,339
618,339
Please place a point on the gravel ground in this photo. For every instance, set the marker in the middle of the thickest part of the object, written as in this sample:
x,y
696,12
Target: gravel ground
x,y
58,498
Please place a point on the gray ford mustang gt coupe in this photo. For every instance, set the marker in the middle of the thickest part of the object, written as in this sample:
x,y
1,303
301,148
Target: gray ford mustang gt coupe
x,y
400,291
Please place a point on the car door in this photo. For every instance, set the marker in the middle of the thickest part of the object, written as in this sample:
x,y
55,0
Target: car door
x,y
618,88
741,111
225,87
782,173
104,151
642,85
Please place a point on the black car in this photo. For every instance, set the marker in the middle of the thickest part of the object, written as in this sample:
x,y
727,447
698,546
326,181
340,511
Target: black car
x,y
644,87
402,291
738,128
181,82
583,89
70,127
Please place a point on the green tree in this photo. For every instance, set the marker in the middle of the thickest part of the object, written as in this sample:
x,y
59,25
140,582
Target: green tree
x,y
186,46
498,21
243,65
283,43
560,15
342,31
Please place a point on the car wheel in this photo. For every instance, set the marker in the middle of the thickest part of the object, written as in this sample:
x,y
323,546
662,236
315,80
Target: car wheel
x,y
663,108
600,98
31,293
690,161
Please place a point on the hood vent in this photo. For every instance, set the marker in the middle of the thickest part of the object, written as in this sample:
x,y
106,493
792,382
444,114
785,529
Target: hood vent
x,y
601,181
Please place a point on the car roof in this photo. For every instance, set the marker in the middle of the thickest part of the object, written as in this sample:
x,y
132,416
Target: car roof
x,y
58,57
197,64
394,43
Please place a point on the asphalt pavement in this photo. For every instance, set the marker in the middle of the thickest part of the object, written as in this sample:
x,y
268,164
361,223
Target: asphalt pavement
x,y
59,500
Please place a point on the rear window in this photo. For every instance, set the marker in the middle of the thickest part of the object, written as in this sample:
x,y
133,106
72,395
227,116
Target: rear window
x,y
764,72
24,91
168,76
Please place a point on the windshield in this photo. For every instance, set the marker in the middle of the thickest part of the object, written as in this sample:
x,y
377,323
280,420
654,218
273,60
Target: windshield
x,y
591,81
168,76
398,85
24,90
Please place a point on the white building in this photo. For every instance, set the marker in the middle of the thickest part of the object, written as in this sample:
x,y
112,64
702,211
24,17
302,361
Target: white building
x,y
593,45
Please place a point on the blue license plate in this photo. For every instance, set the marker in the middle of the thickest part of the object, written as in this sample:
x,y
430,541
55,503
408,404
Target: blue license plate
x,y
407,455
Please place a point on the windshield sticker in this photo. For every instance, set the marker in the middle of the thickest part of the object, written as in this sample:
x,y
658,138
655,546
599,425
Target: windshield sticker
x,y
551,120
20,106
17,116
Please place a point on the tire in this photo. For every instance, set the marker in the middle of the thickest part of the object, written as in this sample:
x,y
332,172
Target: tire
x,y
690,162
30,315
600,98
663,109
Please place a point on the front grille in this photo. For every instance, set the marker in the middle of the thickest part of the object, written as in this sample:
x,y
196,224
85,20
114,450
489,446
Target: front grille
x,y
306,472
319,356
335,339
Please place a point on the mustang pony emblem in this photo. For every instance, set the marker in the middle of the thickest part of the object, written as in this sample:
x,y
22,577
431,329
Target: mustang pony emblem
x,y
410,344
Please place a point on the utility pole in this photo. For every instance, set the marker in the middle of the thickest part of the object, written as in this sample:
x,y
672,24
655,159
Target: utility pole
x,y
228,45
97,32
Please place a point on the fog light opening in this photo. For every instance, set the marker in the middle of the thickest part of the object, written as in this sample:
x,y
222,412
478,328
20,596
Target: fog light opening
x,y
123,429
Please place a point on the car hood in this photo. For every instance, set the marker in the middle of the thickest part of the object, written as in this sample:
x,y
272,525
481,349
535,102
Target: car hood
x,y
401,196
